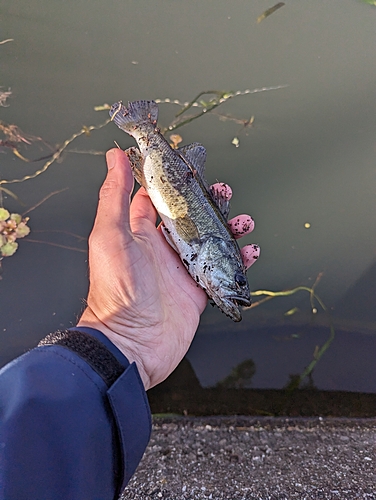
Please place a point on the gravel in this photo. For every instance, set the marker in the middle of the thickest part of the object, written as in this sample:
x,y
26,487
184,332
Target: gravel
x,y
244,458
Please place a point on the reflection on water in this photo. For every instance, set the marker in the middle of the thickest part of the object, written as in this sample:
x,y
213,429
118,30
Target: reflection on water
x,y
304,165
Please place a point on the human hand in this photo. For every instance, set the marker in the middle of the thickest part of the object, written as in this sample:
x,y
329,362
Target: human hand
x,y
141,296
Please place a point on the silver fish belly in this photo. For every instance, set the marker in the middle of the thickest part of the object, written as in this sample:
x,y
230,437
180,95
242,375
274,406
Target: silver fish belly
x,y
194,216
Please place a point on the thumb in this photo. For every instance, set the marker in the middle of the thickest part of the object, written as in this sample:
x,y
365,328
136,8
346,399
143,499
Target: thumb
x,y
114,196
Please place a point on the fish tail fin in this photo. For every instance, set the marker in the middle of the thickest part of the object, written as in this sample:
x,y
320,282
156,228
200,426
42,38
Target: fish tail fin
x,y
137,113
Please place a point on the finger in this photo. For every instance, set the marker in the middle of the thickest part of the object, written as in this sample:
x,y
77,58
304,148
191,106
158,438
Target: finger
x,y
114,196
142,209
223,189
241,225
250,253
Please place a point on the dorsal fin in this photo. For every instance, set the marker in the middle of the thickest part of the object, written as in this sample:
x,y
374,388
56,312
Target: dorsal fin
x,y
195,153
219,193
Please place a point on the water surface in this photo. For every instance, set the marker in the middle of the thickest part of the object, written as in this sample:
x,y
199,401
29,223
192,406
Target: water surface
x,y
308,159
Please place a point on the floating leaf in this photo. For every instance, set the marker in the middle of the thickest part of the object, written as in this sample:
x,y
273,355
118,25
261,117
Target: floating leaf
x,y
9,249
16,217
11,236
4,214
175,139
22,230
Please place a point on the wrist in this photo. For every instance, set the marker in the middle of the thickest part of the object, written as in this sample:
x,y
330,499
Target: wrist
x,y
90,320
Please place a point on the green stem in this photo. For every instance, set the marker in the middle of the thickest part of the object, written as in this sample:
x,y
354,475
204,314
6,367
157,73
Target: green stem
x,y
219,93
308,370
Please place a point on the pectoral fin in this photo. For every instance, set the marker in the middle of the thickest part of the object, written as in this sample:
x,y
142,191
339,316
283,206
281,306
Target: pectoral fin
x,y
186,228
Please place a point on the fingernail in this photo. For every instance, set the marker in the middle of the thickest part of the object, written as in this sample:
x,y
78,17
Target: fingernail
x,y
111,159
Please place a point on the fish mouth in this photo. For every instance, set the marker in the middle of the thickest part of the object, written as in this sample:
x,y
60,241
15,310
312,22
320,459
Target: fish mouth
x,y
231,305
238,300
241,301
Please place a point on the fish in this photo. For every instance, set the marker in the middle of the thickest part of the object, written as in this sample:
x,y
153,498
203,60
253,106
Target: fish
x,y
194,216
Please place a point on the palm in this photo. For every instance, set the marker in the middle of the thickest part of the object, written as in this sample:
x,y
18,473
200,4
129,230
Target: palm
x,y
140,290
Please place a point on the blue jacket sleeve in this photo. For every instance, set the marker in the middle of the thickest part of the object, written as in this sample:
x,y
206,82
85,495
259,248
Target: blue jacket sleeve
x,y
63,433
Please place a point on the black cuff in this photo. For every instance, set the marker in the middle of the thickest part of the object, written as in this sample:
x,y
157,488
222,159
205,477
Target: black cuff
x,y
91,350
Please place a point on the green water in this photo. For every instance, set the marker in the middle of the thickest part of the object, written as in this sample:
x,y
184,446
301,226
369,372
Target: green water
x,y
309,158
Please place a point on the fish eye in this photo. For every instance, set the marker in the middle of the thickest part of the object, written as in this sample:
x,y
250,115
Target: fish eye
x,y
240,279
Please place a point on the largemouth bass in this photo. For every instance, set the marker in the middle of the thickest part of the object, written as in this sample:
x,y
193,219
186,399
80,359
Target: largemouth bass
x,y
194,217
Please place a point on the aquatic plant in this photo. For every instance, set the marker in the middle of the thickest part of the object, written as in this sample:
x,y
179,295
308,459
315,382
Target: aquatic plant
x,y
12,227
319,350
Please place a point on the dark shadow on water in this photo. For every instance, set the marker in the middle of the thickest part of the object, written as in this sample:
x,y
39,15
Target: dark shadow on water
x,y
357,301
182,394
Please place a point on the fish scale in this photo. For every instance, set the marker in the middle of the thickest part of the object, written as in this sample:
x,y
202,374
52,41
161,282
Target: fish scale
x,y
193,223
